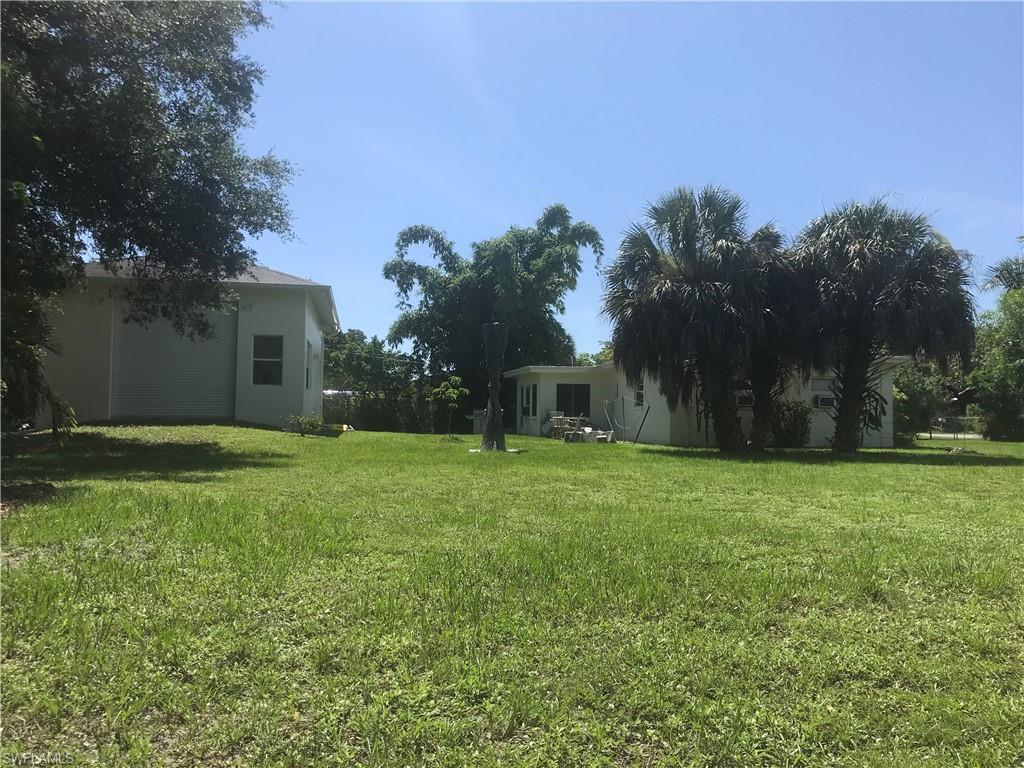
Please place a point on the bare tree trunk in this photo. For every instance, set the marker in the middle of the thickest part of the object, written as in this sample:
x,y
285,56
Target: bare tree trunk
x,y
495,339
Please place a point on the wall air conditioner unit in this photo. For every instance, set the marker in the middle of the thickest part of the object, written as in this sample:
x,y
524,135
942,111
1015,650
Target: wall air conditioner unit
x,y
744,400
824,401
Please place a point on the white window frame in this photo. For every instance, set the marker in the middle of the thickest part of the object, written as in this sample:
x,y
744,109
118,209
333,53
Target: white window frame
x,y
278,360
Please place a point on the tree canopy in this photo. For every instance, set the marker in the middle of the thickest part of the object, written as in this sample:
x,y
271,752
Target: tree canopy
x,y
604,355
120,141
521,277
999,367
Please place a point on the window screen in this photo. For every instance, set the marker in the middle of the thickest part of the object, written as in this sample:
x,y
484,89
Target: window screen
x,y
267,357
533,400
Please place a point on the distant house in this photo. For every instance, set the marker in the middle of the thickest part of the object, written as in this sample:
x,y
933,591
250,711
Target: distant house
x,y
263,364
601,394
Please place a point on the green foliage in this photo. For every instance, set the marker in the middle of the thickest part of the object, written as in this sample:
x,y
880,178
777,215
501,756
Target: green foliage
x,y
448,395
999,368
790,424
120,140
888,284
521,278
605,355
214,596
306,424
1007,274
921,392
377,388
357,364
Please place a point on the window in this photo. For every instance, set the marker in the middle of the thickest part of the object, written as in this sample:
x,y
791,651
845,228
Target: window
x,y
533,400
309,362
639,400
573,399
824,401
744,400
524,406
267,357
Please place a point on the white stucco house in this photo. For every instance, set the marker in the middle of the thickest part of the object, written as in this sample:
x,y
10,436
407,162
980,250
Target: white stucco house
x,y
263,364
600,393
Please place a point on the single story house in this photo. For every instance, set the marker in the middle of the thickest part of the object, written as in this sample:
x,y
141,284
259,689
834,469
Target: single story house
x,y
601,394
263,364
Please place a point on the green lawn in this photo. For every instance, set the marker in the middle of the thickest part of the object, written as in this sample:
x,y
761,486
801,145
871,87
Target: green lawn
x,y
225,596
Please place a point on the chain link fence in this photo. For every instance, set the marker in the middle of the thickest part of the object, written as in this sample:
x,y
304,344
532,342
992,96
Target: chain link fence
x,y
954,428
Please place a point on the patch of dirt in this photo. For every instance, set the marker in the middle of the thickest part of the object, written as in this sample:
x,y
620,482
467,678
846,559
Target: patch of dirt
x,y
16,495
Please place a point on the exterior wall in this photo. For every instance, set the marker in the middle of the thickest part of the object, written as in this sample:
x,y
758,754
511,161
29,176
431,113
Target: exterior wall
x,y
271,311
157,374
81,372
822,424
313,395
680,426
84,328
656,428
530,425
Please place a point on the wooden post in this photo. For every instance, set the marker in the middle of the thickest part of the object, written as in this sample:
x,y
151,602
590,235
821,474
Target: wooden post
x,y
495,339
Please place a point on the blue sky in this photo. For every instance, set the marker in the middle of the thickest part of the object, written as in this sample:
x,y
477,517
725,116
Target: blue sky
x,y
472,118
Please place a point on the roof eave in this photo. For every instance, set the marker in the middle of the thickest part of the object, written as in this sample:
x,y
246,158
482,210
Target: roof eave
x,y
574,370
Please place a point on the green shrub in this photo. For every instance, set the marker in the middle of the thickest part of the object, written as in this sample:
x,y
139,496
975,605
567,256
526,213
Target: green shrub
x,y
306,425
791,424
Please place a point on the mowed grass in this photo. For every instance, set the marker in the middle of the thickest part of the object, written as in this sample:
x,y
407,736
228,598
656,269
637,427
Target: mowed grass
x,y
225,596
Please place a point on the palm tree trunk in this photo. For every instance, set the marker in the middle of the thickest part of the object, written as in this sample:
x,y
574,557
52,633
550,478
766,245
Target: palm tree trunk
x,y
852,374
722,401
764,376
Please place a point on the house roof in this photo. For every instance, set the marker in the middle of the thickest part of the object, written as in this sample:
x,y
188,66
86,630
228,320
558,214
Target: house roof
x,y
257,275
561,370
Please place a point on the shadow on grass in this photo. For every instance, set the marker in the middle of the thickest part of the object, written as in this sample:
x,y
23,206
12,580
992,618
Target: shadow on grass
x,y
91,455
936,457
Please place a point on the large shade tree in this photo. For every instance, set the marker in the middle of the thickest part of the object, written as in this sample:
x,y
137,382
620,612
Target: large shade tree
x,y
889,284
678,295
120,141
520,278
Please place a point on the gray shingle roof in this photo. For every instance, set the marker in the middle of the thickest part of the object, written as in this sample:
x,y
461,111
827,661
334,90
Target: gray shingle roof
x,y
258,274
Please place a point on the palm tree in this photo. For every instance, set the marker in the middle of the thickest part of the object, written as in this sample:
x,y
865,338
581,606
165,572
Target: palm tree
x,y
783,326
1008,274
889,284
675,295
